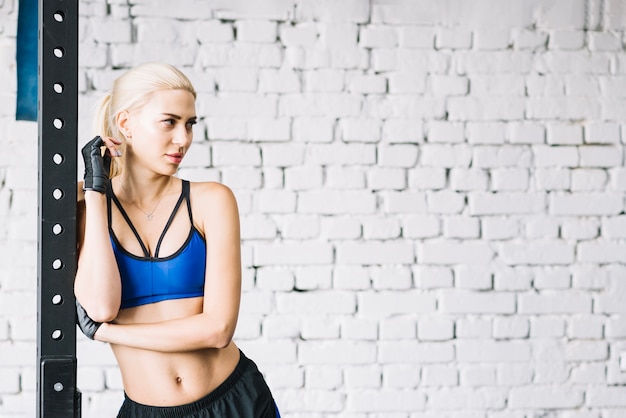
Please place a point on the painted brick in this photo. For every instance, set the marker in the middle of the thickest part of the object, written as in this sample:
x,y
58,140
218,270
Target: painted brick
x,y
293,253
497,85
331,202
537,252
489,38
506,203
351,278
600,156
549,156
401,376
342,154
461,227
406,82
439,375
545,397
367,84
309,302
317,129
471,351
362,376
509,179
485,132
473,328
586,204
275,201
256,31
386,178
318,327
386,400
478,376
279,81
462,398
435,329
313,277
499,228
473,277
602,133
445,202
380,228
606,397
342,177
554,303
386,302
472,303
340,228
414,352
585,180
336,352
322,80
427,178
398,328
511,327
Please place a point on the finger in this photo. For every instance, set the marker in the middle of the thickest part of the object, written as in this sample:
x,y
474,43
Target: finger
x,y
111,146
113,140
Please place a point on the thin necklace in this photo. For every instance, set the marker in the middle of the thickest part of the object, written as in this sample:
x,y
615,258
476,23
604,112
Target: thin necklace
x,y
149,215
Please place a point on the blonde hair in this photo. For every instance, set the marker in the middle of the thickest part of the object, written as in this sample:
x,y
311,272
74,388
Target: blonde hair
x,y
131,91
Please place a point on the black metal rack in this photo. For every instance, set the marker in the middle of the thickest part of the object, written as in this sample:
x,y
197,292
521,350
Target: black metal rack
x,y
57,394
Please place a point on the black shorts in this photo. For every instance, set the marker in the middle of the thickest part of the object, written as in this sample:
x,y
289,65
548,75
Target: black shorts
x,y
244,394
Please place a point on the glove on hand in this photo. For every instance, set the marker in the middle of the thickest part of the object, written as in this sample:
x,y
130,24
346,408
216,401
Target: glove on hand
x,y
96,166
88,326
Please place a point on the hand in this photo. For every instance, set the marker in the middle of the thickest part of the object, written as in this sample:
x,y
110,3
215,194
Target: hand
x,y
97,166
88,326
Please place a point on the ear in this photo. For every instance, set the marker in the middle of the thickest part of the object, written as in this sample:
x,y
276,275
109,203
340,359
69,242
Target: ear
x,y
122,120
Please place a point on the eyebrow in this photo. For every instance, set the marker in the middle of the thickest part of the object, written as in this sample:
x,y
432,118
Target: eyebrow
x,y
177,117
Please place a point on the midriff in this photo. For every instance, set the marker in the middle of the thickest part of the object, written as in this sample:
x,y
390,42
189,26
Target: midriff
x,y
171,379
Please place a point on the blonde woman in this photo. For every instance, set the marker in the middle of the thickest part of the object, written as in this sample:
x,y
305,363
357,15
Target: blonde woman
x,y
159,271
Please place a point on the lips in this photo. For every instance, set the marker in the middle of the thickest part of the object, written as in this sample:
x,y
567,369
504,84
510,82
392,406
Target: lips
x,y
175,157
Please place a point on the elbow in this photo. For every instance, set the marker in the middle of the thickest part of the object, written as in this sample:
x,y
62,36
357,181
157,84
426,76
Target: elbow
x,y
222,336
101,313
104,315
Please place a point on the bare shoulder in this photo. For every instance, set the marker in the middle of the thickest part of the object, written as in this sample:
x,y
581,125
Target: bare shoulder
x,y
212,198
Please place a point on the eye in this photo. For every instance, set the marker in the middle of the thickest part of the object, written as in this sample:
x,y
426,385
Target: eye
x,y
191,123
169,122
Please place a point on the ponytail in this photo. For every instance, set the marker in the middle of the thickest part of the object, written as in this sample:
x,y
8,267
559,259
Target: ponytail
x,y
104,125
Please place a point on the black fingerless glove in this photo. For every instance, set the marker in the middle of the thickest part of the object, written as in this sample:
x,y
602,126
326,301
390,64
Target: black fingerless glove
x,y
88,326
97,167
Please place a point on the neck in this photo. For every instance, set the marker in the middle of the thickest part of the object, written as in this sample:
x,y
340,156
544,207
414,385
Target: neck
x,y
144,190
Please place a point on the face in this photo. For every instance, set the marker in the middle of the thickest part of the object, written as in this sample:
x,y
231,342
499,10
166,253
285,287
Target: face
x,y
160,133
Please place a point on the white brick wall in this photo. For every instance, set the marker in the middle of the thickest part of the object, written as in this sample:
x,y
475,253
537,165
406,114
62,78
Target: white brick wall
x,y
431,192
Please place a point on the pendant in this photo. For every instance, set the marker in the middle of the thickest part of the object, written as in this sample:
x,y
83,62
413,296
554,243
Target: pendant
x,y
149,216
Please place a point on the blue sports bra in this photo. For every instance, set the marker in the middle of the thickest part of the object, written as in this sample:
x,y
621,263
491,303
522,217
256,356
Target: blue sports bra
x,y
152,279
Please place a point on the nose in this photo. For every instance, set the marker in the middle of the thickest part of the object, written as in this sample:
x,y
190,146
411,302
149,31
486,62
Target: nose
x,y
182,136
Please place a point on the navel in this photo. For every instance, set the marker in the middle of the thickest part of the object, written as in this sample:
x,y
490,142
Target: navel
x,y
179,380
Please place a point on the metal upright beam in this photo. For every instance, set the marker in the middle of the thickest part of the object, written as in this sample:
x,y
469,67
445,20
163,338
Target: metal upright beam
x,y
57,395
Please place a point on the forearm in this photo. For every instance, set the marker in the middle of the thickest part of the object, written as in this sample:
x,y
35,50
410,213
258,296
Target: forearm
x,y
97,283
193,333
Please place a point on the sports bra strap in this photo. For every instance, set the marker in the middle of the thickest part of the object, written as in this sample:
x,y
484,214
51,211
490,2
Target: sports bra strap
x,y
169,221
187,193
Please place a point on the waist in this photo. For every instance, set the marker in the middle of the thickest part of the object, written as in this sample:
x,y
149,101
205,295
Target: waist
x,y
169,379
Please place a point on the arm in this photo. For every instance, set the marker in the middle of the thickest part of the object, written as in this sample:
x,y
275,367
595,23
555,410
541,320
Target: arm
x,y
215,325
97,284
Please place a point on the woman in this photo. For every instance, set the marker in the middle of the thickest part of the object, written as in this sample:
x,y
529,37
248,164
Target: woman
x,y
159,271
